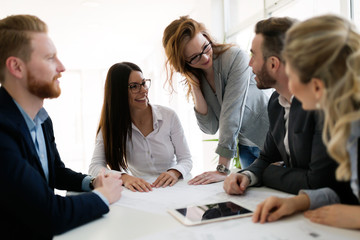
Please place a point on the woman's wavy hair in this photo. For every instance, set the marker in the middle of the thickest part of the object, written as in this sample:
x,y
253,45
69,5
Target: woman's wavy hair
x,y
328,47
115,120
176,35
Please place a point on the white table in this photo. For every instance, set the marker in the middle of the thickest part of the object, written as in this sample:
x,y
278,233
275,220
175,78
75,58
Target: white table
x,y
144,216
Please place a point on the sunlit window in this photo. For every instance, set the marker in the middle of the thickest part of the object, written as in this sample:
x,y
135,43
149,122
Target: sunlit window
x,y
356,12
241,29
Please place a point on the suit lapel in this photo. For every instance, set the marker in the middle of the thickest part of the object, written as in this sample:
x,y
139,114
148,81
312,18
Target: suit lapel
x,y
48,140
16,117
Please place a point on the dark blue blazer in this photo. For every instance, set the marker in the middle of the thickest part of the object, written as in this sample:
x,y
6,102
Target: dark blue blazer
x,y
310,166
29,207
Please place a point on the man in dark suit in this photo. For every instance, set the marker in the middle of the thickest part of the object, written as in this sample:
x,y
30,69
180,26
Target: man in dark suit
x,y
31,167
294,156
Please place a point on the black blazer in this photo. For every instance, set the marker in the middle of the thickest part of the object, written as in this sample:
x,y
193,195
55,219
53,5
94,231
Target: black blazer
x,y
310,166
29,207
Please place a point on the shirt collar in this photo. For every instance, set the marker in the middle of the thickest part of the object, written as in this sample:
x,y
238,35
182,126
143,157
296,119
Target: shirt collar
x,y
157,116
283,102
39,119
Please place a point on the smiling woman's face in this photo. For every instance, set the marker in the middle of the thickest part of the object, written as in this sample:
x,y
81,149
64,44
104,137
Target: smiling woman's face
x,y
195,47
137,100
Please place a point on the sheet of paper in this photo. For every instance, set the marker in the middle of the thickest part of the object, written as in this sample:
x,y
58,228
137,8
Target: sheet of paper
x,y
182,194
177,196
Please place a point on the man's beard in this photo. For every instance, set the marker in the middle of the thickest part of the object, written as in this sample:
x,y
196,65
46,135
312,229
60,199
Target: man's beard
x,y
265,81
44,89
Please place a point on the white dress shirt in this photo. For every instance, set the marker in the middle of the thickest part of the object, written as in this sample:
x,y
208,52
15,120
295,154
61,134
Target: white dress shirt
x,y
286,105
163,149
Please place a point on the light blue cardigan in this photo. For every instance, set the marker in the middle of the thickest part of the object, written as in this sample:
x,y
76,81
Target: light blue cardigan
x,y
239,108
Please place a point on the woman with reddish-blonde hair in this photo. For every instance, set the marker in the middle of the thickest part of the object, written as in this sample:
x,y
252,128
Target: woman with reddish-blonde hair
x,y
223,89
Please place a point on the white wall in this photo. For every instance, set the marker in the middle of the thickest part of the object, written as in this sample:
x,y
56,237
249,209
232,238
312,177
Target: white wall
x,y
88,49
91,35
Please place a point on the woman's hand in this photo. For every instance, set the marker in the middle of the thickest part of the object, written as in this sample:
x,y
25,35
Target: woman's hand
x,y
168,178
135,184
208,177
336,215
193,80
274,208
198,97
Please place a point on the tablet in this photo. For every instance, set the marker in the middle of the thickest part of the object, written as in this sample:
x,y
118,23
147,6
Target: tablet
x,y
194,215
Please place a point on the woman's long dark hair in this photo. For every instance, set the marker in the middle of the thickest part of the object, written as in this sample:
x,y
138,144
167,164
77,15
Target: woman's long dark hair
x,y
115,119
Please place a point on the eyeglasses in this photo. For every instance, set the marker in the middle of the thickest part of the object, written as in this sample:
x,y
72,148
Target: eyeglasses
x,y
136,87
196,58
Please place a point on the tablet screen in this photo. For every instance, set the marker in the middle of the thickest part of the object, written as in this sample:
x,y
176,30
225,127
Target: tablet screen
x,y
202,213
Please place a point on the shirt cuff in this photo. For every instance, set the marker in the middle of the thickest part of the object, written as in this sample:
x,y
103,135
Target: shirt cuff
x,y
224,152
253,177
85,185
179,169
102,197
321,197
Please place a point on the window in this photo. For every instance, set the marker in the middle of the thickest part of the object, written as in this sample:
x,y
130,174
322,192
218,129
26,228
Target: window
x,y
240,20
356,13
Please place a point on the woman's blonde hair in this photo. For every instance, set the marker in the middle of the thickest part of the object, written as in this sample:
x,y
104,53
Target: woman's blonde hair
x,y
176,35
328,48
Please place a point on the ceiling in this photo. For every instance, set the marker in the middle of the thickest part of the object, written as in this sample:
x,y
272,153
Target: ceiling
x,y
96,33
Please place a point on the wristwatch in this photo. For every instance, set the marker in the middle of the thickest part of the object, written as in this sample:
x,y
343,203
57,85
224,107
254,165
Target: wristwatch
x,y
221,168
91,183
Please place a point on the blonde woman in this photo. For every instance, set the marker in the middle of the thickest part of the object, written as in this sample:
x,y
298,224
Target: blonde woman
x,y
224,91
323,65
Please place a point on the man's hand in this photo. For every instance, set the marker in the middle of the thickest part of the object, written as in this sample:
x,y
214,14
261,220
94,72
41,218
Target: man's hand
x,y
236,183
109,185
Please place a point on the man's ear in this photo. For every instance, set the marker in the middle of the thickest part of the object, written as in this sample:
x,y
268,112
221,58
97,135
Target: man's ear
x,y
273,63
15,66
318,87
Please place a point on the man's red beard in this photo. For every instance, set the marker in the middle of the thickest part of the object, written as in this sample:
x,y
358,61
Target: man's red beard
x,y
44,89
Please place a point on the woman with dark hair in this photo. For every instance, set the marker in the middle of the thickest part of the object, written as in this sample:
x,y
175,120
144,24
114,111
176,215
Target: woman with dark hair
x,y
223,88
135,136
